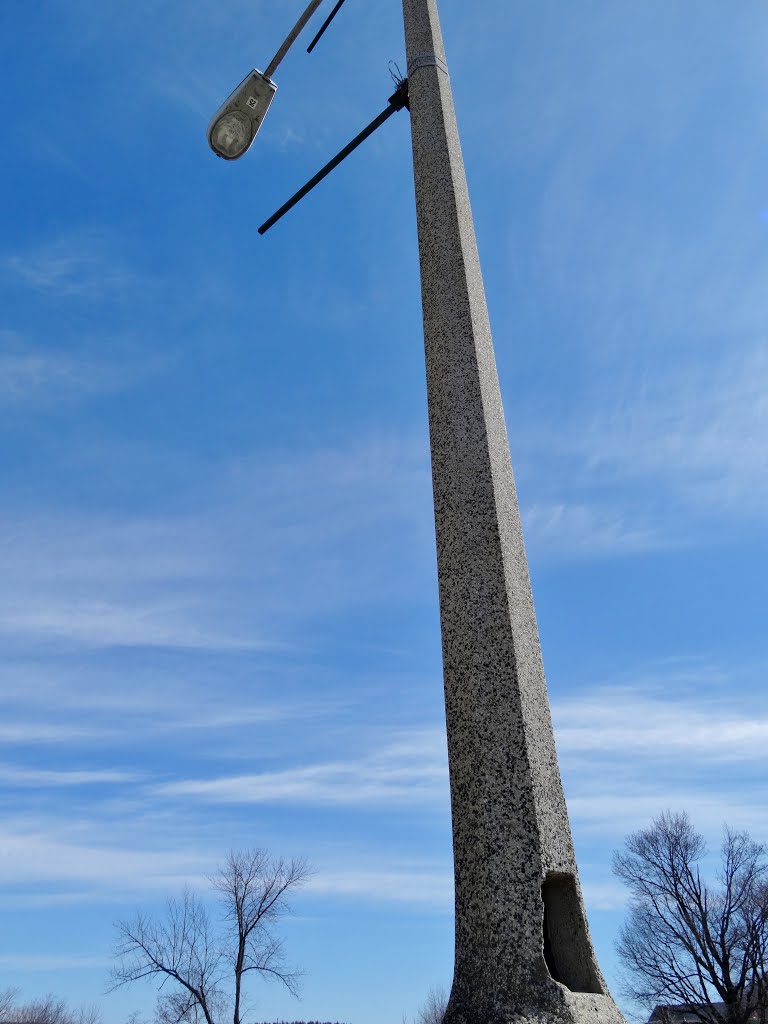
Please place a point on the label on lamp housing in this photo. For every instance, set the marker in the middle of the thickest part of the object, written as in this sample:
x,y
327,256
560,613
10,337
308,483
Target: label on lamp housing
x,y
235,124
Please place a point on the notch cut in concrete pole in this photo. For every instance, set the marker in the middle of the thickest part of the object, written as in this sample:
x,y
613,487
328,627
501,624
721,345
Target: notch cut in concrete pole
x,y
523,951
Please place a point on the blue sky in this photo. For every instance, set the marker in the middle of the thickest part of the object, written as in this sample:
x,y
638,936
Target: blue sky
x,y
218,601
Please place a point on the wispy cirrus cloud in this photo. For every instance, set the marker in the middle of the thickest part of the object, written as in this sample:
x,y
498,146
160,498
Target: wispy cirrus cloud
x,y
679,737
39,961
90,706
700,431
61,855
412,884
611,809
77,266
33,376
61,865
626,738
85,623
413,770
12,775
663,465
278,530
115,583
624,721
627,751
580,530
654,435
643,254
38,732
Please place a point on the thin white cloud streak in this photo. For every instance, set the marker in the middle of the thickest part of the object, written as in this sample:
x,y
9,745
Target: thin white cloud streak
x,y
702,431
180,581
621,750
38,961
77,266
100,583
582,531
58,863
411,771
23,732
602,809
602,895
413,886
657,277
617,720
669,741
41,869
103,583
12,775
34,377
87,548
664,263
153,715
669,465
625,755
37,857
15,898
122,624
85,706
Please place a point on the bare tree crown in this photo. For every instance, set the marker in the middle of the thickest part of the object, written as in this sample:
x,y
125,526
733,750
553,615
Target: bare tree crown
x,y
435,1005
47,1010
207,961
689,942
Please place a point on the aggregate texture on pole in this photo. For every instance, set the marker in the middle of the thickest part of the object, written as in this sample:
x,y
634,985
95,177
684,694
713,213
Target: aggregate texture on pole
x,y
523,950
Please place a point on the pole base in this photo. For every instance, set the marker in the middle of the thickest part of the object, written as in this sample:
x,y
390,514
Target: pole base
x,y
569,1008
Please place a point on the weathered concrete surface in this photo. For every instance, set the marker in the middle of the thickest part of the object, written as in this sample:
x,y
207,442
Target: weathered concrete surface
x,y
512,842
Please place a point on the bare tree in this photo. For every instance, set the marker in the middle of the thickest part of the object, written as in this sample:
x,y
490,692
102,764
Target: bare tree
x,y
135,1017
253,890
7,1000
207,962
47,1010
435,1005
692,943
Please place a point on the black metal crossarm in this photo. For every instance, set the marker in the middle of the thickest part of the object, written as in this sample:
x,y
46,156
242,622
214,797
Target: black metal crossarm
x,y
324,26
396,102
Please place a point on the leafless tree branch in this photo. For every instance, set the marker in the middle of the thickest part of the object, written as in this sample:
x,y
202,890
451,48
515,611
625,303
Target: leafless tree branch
x,y
187,951
7,1000
688,942
47,1010
434,1007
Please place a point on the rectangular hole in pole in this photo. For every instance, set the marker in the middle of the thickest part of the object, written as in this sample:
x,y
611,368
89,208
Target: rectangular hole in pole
x,y
567,949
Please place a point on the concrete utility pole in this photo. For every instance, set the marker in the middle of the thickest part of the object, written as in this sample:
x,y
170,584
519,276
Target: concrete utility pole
x,y
523,951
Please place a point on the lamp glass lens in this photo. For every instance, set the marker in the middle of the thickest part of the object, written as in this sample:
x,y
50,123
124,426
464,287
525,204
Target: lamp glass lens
x,y
231,134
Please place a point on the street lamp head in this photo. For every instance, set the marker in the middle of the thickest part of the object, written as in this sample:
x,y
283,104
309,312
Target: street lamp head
x,y
234,125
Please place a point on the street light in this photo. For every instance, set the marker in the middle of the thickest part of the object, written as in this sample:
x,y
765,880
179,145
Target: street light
x,y
236,123
523,951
